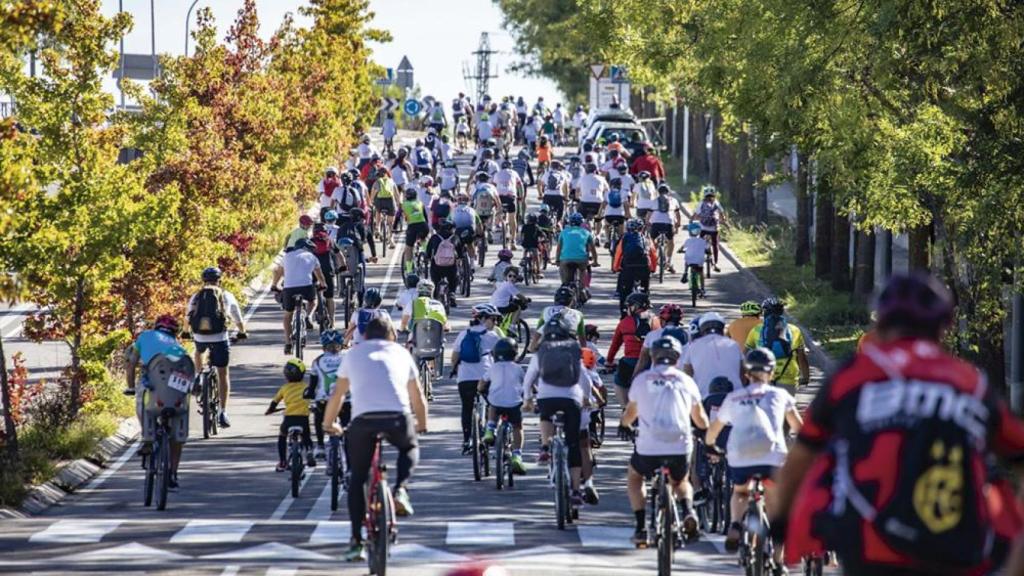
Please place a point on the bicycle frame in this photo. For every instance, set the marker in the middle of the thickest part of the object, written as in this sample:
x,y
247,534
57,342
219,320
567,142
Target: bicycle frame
x,y
379,499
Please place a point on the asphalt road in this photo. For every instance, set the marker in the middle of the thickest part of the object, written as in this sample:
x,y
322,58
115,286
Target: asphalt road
x,y
233,513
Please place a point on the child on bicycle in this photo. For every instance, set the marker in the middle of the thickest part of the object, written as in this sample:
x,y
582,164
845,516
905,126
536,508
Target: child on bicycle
x,y
296,412
504,261
322,375
588,421
695,249
593,336
503,387
530,236
506,296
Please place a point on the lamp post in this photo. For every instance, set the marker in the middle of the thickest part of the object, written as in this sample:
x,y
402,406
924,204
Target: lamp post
x,y
188,20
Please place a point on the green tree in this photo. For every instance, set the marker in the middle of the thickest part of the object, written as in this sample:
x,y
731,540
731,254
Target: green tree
x,y
550,37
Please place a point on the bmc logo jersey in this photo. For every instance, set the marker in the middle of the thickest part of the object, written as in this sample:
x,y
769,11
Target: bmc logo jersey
x,y
901,478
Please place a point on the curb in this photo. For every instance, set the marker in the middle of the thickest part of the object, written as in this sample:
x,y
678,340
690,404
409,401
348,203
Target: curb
x,y
74,475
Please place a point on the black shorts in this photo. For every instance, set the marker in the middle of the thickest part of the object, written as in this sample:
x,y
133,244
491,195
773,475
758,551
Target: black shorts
x,y
659,229
678,465
642,212
506,310
508,203
530,243
289,421
384,205
615,220
220,352
416,231
514,414
589,209
556,202
624,372
307,292
741,475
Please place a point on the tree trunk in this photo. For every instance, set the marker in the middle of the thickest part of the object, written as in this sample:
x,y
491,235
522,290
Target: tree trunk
x,y
10,430
841,252
823,228
744,174
698,144
803,213
919,248
864,273
76,348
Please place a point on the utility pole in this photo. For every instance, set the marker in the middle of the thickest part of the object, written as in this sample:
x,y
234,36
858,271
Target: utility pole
x,y
482,75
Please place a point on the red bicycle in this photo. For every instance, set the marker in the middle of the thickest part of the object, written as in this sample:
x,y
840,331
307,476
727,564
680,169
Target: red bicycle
x,y
381,522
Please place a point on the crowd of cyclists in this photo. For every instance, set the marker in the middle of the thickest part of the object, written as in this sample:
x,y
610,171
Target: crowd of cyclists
x,y
892,467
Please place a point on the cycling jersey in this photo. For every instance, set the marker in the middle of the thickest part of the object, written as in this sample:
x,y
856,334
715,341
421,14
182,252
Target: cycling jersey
x,y
425,196
574,241
708,214
449,178
424,308
550,311
668,216
153,342
367,314
787,370
592,188
544,153
464,217
414,212
385,188
324,373
507,182
711,356
646,194
556,176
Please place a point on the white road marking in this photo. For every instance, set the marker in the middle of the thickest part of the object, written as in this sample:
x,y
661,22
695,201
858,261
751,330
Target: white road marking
x,y
321,509
605,537
130,552
282,571
231,570
424,554
16,315
395,257
549,555
212,532
251,309
287,502
112,469
718,541
75,531
331,532
481,534
269,551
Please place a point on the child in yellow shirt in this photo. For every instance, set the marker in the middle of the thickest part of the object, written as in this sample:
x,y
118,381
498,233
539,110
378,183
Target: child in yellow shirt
x,y
296,412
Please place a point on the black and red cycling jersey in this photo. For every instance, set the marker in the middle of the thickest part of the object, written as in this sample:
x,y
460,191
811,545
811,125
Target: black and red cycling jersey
x,y
901,481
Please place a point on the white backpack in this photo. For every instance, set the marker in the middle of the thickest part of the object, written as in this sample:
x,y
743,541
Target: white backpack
x,y
752,434
672,419
445,254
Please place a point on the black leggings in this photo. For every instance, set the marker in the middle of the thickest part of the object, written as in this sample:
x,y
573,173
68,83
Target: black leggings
x,y
467,392
448,272
282,438
627,276
344,417
398,430
713,238
570,424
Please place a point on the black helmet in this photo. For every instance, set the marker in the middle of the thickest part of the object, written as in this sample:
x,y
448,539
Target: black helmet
x,y
356,214
346,178
666,350
772,306
211,274
916,300
446,226
720,385
564,296
294,370
760,360
410,193
488,154
483,176
505,164
412,280
639,299
590,167
505,350
372,298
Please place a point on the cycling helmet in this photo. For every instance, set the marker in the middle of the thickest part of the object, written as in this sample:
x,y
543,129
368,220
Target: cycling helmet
x,y
544,209
419,142
914,300
711,322
671,314
294,370
425,288
490,144
524,154
488,154
719,385
412,280
166,323
329,337
590,168
693,329
575,219
750,308
505,255
505,164
356,214
485,311
709,192
590,331
410,193
372,298
365,139
760,360
564,296
482,176
574,160
211,274
634,225
644,175
531,218
346,178
663,189
772,305
666,350
557,165
513,274
330,216
589,358
446,226
693,228
614,137
303,244
505,350
639,300
462,198
331,170
353,173
426,181
588,146
305,221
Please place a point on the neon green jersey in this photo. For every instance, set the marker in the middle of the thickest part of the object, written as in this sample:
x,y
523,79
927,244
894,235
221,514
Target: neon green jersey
x,y
413,212
428,308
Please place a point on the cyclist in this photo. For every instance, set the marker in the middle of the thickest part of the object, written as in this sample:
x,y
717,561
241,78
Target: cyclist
x,y
402,170
757,442
530,236
596,395
671,318
521,164
300,233
449,177
296,412
750,316
365,150
353,232
665,220
468,226
425,192
323,373
575,171
331,224
485,199
575,251
713,354
370,309
887,419
592,191
502,385
634,261
564,301
579,121
629,335
645,193
388,131
444,249
385,387
616,209
487,163
424,307
510,188
352,196
786,341
471,361
462,134
327,253
710,214
416,229
553,188
506,296
325,189
647,161
504,261
383,197
695,250
422,158
209,310
592,336
665,400
299,274
483,129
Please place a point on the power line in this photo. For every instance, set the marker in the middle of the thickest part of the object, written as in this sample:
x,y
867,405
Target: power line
x,y
481,76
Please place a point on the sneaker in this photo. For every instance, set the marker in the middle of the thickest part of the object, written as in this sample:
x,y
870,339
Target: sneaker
x,y
310,460
576,499
309,324
716,268
544,457
403,506
223,420
671,269
489,436
691,526
281,466
356,552
172,482
732,538
319,453
146,448
590,495
518,466
639,538
129,391
288,349
467,448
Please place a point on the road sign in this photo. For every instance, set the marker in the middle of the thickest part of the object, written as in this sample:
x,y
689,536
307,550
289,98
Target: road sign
x,y
412,107
388,79
405,74
596,70
388,104
618,75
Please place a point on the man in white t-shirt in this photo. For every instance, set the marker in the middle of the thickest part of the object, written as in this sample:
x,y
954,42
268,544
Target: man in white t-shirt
x,y
665,400
593,188
713,354
471,361
210,332
757,442
509,187
385,387
665,219
302,276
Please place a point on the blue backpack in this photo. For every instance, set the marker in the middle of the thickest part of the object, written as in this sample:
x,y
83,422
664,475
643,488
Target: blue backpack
x,y
634,249
776,337
471,349
422,157
615,198
364,318
675,332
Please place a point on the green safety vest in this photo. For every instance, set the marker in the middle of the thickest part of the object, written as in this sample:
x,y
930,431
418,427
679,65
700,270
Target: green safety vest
x,y
413,211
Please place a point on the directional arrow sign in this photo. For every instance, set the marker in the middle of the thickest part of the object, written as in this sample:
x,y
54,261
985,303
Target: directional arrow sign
x,y
388,104
597,70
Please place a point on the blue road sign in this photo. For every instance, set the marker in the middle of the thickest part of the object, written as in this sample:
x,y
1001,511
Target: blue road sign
x,y
412,107
617,74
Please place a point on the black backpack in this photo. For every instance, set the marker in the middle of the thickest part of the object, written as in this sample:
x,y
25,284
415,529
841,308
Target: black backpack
x,y
663,204
559,362
209,316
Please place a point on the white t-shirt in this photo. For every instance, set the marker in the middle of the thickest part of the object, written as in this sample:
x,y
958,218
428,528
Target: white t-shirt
x,y
559,176
425,195
365,151
595,380
476,370
558,116
646,195
575,393
325,200
646,392
694,248
592,188
357,335
506,182
403,301
503,294
659,217
449,178
506,389
579,119
325,367
714,355
399,176
610,210
627,181
379,372
737,405
298,268
231,310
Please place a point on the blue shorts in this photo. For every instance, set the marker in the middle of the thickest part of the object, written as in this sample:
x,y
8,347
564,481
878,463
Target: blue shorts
x,y
743,474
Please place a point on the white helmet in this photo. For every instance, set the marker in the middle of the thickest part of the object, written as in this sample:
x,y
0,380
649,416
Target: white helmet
x,y
331,169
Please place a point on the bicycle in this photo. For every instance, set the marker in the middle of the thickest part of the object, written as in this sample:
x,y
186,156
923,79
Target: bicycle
x,y
324,321
513,325
662,259
209,400
383,231
444,295
158,463
337,469
813,564
696,283
481,457
558,473
530,273
663,520
503,438
465,273
298,335
429,338
422,264
755,547
719,492
709,262
296,466
381,521
481,246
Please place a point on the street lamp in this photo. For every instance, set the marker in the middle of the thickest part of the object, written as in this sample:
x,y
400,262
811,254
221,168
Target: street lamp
x,y
188,20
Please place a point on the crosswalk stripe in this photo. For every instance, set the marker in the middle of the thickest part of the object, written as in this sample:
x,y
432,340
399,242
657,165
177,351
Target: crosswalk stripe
x,y
605,537
269,551
282,571
75,531
424,554
321,509
212,532
549,555
331,532
126,553
481,534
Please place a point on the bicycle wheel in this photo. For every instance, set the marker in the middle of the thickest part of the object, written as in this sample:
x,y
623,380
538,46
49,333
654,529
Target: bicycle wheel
x,y
666,529
813,566
561,502
509,472
163,474
485,456
295,468
206,406
522,337
335,462
475,444
708,266
499,457
380,539
694,288
298,329
661,262
150,480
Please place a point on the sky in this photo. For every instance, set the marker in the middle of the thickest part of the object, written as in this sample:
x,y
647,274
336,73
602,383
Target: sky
x,y
423,30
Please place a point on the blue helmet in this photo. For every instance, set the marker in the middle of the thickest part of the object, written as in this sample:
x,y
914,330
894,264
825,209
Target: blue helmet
x,y
634,225
576,219
693,228
330,216
328,337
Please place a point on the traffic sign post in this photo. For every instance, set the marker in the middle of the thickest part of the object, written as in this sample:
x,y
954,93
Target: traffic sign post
x,y
597,70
